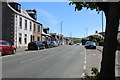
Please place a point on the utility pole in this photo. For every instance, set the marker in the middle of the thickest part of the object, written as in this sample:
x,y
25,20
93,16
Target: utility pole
x,y
86,32
61,33
102,21
70,34
61,27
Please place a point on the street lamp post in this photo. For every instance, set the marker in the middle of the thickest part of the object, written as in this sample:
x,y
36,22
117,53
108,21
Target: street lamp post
x,y
86,32
61,27
70,34
61,33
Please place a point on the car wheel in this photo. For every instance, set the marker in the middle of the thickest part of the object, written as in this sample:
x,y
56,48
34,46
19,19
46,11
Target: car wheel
x,y
28,48
13,51
38,48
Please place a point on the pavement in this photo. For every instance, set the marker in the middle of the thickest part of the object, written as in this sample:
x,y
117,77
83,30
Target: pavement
x,y
21,49
100,48
117,65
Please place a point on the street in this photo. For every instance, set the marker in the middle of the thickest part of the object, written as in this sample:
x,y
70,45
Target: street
x,y
60,62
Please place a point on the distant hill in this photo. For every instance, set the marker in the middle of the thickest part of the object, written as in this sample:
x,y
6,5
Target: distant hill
x,y
75,40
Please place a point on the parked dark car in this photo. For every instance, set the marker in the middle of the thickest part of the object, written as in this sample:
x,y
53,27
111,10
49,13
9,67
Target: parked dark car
x,y
47,44
6,47
54,44
90,45
70,43
36,45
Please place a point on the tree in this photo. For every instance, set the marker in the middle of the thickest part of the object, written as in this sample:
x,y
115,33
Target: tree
x,y
95,38
112,13
77,40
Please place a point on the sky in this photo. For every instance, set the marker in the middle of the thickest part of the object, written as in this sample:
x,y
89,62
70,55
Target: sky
x,y
74,23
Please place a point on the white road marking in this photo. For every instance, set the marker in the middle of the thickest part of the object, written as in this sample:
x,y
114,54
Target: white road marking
x,y
85,54
84,67
30,59
85,62
83,75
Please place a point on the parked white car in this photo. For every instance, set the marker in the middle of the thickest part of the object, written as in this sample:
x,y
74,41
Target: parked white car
x,y
54,44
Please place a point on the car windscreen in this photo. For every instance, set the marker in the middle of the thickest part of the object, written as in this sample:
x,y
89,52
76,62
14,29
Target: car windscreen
x,y
4,43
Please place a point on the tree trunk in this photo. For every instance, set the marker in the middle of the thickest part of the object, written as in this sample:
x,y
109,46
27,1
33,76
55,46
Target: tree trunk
x,y
107,71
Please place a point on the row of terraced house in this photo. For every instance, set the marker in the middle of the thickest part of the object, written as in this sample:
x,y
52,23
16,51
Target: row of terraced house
x,y
21,26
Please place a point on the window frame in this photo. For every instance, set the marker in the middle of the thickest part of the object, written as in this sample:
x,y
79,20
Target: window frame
x,y
20,22
25,24
30,25
39,28
34,28
20,38
25,38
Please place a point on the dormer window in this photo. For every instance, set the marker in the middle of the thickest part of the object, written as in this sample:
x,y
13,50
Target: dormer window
x,y
46,30
32,13
16,6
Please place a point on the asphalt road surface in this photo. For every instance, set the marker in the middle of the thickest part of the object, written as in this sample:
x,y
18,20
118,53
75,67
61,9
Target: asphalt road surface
x,y
70,61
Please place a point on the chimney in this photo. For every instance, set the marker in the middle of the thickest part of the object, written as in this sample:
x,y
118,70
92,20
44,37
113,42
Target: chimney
x,y
32,13
96,31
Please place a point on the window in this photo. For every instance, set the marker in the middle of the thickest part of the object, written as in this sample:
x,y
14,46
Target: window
x,y
47,31
25,38
38,39
20,22
31,38
38,28
20,38
34,27
25,24
30,25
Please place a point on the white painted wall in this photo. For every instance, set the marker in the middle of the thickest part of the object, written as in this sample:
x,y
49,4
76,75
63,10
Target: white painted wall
x,y
22,31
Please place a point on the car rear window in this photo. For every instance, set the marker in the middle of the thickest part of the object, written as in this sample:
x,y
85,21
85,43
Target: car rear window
x,y
39,42
4,43
91,43
35,41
